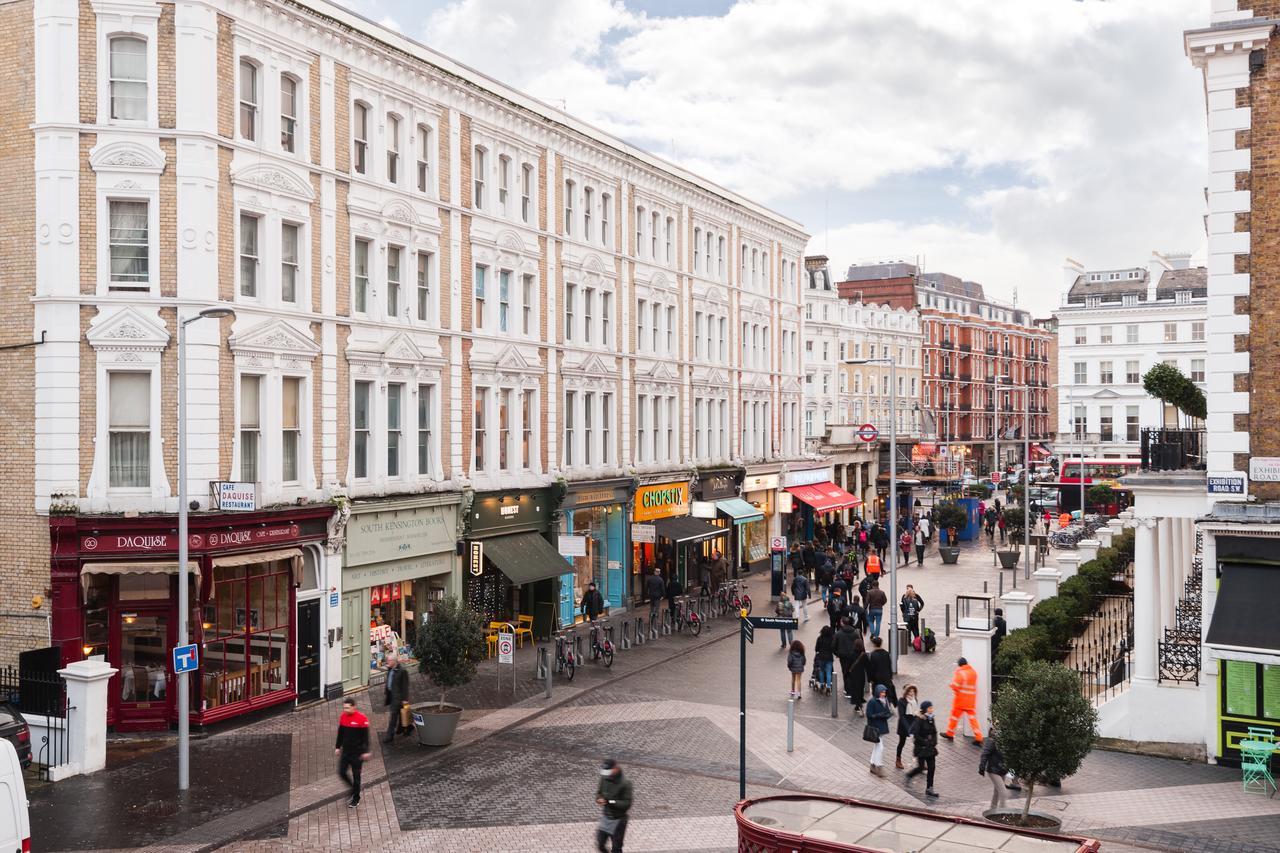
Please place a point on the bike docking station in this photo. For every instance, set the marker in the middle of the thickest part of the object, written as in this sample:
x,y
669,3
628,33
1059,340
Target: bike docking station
x,y
747,634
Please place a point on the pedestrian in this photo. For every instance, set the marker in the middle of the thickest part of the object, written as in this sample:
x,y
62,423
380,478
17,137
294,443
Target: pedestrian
x,y
1002,628
655,588
796,559
847,649
908,710
824,579
835,607
926,524
395,696
882,540
912,605
352,747
613,796
592,604
857,676
878,714
924,737
796,662
824,655
1001,524
873,566
787,610
992,765
920,540
719,570
964,700
809,556
876,600
675,589
880,668
857,614
800,590
904,544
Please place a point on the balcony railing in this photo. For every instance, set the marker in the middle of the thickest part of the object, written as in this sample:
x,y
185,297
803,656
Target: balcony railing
x,y
1165,449
946,374
990,350
964,407
946,344
966,348
1007,353
966,376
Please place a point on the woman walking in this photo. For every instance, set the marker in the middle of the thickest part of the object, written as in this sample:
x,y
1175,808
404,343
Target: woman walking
x,y
992,765
796,664
924,733
908,710
878,715
824,657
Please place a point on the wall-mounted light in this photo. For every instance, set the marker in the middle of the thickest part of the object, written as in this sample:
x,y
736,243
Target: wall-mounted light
x,y
88,650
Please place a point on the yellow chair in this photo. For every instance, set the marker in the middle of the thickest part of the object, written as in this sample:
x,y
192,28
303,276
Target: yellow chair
x,y
491,638
524,628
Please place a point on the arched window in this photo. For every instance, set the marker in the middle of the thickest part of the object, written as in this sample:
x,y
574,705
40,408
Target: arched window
x,y
128,77
248,100
288,112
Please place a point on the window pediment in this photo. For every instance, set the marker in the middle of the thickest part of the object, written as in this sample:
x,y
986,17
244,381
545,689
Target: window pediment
x,y
127,155
275,179
274,338
127,329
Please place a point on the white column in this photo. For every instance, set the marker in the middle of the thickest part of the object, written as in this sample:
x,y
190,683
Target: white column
x,y
1145,594
87,725
1069,565
1086,550
1104,535
1017,608
1168,557
1047,581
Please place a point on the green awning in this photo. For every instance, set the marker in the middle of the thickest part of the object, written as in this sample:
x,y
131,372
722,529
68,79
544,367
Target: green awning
x,y
739,510
525,557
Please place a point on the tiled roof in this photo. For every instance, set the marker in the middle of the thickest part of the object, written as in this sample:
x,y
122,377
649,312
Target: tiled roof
x,y
1195,280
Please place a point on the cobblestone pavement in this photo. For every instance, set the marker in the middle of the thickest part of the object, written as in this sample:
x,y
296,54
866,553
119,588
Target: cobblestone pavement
x,y
523,773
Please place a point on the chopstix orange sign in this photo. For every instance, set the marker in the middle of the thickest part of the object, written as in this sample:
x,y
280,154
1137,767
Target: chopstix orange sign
x,y
660,501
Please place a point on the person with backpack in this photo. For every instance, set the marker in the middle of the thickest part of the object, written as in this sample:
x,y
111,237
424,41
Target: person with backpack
x,y
908,710
824,656
787,610
800,592
912,605
836,607
795,665
848,646
825,580
878,715
924,736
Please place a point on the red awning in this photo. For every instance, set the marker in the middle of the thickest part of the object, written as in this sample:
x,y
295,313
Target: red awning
x,y
1039,451
825,497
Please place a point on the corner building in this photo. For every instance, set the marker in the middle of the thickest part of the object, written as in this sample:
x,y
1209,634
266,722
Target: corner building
x,y
461,317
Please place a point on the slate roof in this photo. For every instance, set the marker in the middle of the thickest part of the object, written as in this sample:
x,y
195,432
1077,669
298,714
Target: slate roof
x,y
1195,279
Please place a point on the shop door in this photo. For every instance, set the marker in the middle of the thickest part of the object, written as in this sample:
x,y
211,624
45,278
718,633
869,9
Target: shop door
x,y
308,651
144,684
567,603
355,640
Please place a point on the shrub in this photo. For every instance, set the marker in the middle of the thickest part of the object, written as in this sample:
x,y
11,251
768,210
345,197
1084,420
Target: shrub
x,y
1056,618
1123,545
1166,382
980,490
1022,646
1101,494
1097,575
1044,726
951,514
1077,595
1013,518
450,645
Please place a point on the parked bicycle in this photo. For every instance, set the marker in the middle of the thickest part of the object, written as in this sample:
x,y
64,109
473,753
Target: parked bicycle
x,y
685,616
734,598
601,645
565,661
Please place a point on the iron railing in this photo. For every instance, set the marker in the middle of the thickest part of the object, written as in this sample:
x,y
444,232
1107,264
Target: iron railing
x,y
1165,449
37,692
1179,651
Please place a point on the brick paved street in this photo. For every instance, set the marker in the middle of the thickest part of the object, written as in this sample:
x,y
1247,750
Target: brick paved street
x,y
668,712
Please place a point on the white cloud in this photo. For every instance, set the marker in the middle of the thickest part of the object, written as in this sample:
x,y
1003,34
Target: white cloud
x,y
1091,104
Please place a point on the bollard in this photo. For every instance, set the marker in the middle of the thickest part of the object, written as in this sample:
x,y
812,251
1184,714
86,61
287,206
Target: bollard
x,y
1001,583
791,725
948,618
835,692
626,633
641,633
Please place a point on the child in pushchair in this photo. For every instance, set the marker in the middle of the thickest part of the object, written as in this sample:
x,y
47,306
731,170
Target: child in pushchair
x,y
816,679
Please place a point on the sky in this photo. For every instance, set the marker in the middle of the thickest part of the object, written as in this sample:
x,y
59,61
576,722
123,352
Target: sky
x,y
990,139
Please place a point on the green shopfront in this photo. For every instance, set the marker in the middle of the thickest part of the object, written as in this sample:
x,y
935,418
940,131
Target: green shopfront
x,y
400,559
593,538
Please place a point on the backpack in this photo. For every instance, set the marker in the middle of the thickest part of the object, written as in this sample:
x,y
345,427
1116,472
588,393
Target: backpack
x,y
930,641
862,537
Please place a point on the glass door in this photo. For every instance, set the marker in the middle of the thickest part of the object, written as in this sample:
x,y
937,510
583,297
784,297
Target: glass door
x,y
145,679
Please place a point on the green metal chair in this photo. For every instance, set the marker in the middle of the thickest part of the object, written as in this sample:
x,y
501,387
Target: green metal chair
x,y
1256,768
1259,733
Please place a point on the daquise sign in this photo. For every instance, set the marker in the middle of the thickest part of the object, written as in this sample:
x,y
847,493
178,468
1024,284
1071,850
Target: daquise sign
x,y
235,497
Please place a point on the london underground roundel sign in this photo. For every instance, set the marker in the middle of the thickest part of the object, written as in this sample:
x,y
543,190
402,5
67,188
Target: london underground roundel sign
x,y
868,433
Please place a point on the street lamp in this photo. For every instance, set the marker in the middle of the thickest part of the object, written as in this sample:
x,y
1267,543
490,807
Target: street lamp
x,y
184,695
893,499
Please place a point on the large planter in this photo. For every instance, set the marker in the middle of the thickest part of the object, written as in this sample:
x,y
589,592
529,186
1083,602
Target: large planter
x,y
1008,559
435,723
949,555
1012,816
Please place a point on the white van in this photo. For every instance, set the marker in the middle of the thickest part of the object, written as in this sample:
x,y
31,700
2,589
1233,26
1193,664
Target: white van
x,y
15,822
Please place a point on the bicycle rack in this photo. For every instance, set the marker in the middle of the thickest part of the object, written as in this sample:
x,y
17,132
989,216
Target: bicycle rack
x,y
654,629
543,661
627,627
667,622
640,632
608,634
578,641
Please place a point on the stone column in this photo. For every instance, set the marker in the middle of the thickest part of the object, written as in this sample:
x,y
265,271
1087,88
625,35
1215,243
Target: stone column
x,y
1069,565
1167,559
1017,608
975,647
87,721
1145,594
1047,581
1105,535
1087,550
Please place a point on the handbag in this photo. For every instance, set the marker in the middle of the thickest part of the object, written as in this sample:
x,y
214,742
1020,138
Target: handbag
x,y
870,733
406,716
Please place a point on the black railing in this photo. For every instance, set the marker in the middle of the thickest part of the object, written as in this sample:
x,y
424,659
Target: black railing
x,y
946,344
37,692
990,350
1165,449
965,376
966,348
1179,651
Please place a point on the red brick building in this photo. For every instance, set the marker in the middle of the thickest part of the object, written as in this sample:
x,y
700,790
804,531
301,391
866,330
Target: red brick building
x,y
969,341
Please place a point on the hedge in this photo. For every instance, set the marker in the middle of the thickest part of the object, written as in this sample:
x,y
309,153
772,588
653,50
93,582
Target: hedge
x,y
1057,619
1077,595
1022,646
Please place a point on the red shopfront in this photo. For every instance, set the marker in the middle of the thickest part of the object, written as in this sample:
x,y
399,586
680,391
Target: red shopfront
x,y
115,594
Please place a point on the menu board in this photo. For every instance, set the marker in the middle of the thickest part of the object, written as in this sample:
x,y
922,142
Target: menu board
x,y
1271,692
1242,688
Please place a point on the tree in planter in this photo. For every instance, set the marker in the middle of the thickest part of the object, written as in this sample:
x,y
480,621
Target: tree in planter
x,y
951,516
1044,727
1013,526
1167,383
1101,495
450,645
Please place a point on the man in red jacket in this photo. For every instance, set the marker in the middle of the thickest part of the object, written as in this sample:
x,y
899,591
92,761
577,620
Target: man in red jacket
x,y
352,747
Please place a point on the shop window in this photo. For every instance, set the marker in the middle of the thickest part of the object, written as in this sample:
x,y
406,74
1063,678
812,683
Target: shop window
x,y
97,595
144,587
246,633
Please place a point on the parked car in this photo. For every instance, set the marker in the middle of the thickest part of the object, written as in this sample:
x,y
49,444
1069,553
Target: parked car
x,y
14,728
15,817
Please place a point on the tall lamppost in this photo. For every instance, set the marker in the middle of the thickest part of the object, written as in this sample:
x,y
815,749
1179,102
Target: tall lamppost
x,y
893,499
184,695
1026,478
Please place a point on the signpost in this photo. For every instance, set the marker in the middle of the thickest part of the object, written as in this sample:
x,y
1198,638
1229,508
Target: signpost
x,y
186,658
506,653
747,634
868,433
777,544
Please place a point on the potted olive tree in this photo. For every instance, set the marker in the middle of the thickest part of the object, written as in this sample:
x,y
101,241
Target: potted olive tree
x,y
1013,527
1044,728
449,647
1101,497
951,518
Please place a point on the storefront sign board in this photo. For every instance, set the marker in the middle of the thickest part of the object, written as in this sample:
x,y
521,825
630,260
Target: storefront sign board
x,y
664,500
644,534
760,483
808,477
1264,469
395,571
572,546
377,537
702,509
234,497
476,565
715,487
505,513
152,543
1227,483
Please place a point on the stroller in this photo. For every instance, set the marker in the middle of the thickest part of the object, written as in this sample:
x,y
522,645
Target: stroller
x,y
815,679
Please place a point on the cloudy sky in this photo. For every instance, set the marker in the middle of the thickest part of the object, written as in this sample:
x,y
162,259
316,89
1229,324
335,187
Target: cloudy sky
x,y
988,138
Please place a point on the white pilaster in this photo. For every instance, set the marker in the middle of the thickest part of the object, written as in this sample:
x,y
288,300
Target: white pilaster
x,y
1047,581
975,647
1017,608
1145,594
87,727
1069,565
1167,558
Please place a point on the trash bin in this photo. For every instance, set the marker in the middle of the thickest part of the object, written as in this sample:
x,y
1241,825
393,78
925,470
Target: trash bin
x,y
904,639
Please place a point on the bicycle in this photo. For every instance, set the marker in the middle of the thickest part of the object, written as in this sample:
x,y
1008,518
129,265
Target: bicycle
x,y
738,598
564,654
686,615
601,645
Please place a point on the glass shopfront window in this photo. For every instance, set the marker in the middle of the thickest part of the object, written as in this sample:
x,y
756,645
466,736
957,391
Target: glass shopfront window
x,y
602,528
246,632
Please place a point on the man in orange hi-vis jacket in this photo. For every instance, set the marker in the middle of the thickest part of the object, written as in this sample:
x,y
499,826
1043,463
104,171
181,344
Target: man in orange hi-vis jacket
x,y
964,700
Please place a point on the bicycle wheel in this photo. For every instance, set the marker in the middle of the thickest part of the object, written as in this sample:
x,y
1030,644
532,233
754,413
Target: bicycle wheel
x,y
568,668
607,654
695,625
746,603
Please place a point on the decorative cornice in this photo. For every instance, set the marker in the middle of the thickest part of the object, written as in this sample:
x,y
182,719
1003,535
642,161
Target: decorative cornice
x,y
1234,37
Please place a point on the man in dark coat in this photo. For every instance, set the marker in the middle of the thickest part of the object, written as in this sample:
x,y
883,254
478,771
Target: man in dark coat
x,y
848,649
1002,628
655,588
880,668
395,694
592,604
836,607
614,796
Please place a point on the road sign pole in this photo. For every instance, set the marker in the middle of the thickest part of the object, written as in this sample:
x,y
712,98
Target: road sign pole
x,y
742,710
